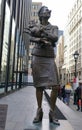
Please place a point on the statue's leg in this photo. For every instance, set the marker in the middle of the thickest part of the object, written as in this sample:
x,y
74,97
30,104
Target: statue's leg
x,y
53,97
54,94
39,96
39,114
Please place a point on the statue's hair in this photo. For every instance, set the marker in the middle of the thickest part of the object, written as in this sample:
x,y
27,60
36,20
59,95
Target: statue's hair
x,y
40,10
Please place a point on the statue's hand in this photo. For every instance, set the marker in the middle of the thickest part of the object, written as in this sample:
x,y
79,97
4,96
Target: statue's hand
x,y
41,29
45,41
27,30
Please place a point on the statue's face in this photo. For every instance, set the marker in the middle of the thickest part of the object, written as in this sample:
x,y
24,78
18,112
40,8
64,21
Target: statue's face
x,y
45,12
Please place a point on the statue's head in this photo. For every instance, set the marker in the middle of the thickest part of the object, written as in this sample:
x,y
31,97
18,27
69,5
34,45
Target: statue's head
x,y
44,12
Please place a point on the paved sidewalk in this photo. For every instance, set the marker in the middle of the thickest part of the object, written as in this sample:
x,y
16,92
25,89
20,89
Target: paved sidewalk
x,y
22,109
74,117
74,108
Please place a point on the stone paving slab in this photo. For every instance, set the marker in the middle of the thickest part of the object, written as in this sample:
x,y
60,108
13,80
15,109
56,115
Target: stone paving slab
x,y
45,125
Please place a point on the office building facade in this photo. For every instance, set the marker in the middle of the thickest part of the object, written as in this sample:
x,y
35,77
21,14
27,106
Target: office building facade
x,y
73,42
14,17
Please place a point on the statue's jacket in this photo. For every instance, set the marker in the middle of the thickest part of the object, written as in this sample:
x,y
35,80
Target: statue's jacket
x,y
46,48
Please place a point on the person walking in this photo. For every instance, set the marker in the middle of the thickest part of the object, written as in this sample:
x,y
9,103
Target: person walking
x,y
44,69
68,90
79,96
63,93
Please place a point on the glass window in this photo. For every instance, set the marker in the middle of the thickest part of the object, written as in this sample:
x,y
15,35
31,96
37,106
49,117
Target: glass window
x,y
12,50
17,37
5,43
0,19
0,1
16,49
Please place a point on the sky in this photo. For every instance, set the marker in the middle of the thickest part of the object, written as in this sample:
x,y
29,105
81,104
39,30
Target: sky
x,y
60,10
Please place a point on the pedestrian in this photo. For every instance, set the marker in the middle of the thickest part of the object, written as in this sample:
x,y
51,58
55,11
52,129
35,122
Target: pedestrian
x,y
68,90
44,69
63,93
79,96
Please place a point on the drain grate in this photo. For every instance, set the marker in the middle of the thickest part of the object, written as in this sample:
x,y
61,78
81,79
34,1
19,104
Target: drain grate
x,y
30,129
3,113
1,128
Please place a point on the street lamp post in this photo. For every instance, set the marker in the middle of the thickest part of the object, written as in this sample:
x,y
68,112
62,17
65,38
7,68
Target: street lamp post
x,y
76,54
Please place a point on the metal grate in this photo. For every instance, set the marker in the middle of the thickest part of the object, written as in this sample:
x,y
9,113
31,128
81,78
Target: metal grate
x,y
30,129
3,113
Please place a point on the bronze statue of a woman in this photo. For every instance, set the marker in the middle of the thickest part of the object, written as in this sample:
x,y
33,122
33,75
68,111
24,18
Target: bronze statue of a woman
x,y
44,69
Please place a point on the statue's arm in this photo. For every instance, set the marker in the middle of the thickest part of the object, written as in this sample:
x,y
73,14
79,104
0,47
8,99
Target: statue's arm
x,y
34,39
33,30
36,32
53,34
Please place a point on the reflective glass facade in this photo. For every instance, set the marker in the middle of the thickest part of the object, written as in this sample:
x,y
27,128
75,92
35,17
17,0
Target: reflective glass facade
x,y
12,44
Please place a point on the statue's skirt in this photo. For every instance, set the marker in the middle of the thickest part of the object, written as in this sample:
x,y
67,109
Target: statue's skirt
x,y
44,71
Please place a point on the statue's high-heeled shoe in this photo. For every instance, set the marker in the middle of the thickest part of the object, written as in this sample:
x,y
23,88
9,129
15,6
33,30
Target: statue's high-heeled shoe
x,y
52,118
39,116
